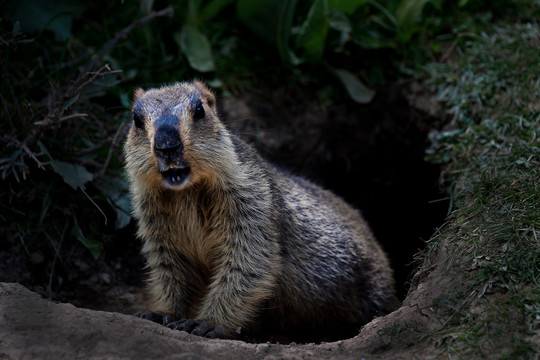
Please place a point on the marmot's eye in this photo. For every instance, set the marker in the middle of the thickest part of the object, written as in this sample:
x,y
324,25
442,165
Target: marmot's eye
x,y
199,111
138,119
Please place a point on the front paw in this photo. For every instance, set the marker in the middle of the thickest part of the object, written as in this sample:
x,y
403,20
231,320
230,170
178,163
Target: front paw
x,y
197,328
159,318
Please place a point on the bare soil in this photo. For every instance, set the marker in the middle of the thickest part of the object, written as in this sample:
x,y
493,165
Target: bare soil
x,y
32,327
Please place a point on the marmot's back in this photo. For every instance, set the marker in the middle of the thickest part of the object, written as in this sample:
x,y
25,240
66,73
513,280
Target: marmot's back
x,y
230,240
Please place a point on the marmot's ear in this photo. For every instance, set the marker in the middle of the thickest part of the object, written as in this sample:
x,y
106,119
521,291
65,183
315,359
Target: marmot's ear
x,y
138,117
138,93
205,92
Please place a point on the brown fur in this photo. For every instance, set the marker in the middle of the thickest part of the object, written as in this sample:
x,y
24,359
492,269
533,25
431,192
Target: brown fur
x,y
239,242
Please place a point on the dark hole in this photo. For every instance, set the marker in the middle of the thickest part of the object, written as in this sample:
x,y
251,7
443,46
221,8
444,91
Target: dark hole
x,y
371,155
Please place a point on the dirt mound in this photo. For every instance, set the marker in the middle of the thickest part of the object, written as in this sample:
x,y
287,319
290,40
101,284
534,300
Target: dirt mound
x,y
32,327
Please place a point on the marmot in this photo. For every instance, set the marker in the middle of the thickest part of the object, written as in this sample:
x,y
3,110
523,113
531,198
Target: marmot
x,y
232,241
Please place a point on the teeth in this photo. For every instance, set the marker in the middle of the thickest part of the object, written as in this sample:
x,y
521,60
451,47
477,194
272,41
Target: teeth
x,y
176,175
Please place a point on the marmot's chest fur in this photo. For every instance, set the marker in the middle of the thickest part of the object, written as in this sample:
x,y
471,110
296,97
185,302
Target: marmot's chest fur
x,y
230,240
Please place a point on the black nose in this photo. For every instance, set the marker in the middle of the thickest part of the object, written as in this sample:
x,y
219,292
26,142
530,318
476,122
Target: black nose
x,y
167,141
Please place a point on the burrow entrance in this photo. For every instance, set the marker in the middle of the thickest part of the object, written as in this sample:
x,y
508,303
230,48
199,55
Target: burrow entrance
x,y
372,155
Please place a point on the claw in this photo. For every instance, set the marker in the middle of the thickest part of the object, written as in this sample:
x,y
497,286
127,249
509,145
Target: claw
x,y
216,333
196,328
189,325
167,318
162,319
177,325
201,330
184,324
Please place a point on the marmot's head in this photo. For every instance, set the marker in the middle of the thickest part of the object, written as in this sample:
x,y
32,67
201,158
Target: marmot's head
x,y
176,138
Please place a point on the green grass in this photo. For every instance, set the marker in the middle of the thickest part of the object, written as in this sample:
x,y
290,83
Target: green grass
x,y
492,156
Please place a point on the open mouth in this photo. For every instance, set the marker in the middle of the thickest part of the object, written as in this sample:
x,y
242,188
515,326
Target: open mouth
x,y
176,177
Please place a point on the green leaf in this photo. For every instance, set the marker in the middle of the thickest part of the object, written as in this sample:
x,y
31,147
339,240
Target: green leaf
x,y
70,102
356,89
372,39
409,12
387,16
339,21
123,209
283,31
260,17
345,6
92,245
196,47
212,9
45,205
377,31
74,175
115,189
99,86
192,13
272,21
54,15
16,28
313,32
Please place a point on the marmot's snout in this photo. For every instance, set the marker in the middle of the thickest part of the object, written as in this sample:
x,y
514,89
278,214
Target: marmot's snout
x,y
167,138
168,149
